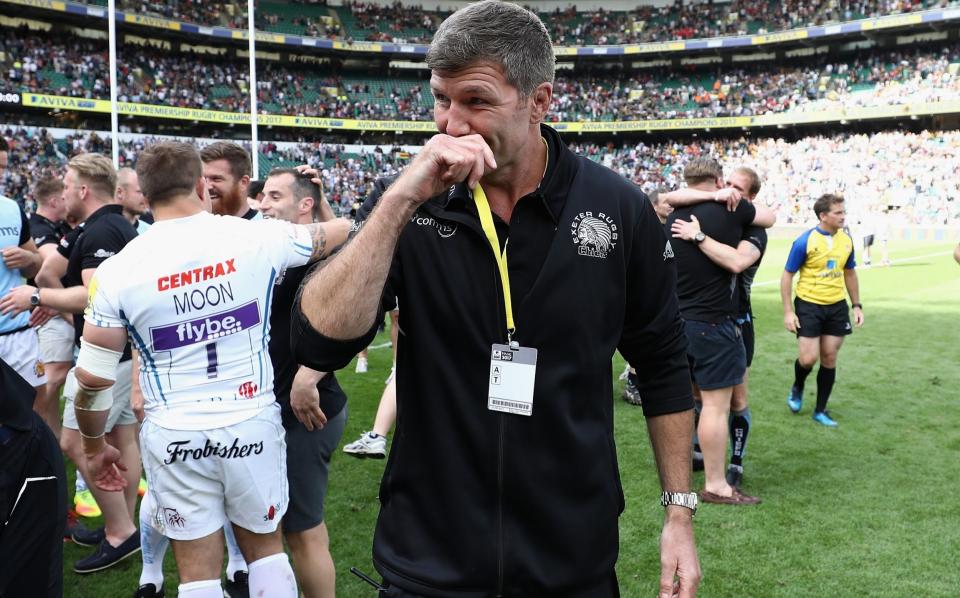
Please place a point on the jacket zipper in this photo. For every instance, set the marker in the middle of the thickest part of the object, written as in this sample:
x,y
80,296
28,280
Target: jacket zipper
x,y
500,512
500,548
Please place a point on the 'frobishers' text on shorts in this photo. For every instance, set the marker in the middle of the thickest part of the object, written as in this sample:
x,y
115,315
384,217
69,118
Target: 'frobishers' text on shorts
x,y
201,478
819,320
716,353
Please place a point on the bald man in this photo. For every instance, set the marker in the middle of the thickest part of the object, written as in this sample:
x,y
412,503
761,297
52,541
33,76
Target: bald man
x,y
129,196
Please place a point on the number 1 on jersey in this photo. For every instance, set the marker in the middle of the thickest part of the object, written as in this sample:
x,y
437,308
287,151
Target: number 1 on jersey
x,y
211,360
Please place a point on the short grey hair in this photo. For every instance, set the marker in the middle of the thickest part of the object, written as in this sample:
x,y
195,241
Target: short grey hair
x,y
498,32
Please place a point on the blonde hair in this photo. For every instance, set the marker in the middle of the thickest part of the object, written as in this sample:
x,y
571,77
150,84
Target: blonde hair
x,y
97,172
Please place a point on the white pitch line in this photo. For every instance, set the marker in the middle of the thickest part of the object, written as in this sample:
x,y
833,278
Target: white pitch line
x,y
380,346
892,262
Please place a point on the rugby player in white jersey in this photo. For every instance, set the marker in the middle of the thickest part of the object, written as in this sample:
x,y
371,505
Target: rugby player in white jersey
x,y
194,295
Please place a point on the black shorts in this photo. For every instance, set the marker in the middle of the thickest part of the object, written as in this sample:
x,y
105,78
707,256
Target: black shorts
x,y
746,331
867,241
308,465
716,354
822,320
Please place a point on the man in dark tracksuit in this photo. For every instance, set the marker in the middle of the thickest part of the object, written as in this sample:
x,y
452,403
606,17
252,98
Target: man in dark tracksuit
x,y
476,501
33,495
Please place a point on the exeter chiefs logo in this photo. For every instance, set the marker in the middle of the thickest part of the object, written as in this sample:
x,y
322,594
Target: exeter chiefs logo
x,y
595,236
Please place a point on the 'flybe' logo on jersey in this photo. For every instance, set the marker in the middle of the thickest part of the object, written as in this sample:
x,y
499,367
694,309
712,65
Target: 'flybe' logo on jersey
x,y
206,329
182,279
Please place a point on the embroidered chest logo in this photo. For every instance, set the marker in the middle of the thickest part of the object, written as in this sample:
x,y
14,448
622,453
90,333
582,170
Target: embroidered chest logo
x,y
594,235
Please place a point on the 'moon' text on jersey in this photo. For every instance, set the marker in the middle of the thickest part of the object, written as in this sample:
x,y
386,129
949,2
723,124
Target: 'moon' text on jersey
x,y
194,294
821,259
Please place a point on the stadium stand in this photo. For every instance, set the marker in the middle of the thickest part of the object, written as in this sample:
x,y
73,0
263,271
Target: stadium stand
x,y
646,23
922,188
66,65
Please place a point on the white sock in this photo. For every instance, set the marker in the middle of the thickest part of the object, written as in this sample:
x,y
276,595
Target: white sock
x,y
235,560
208,588
153,547
272,576
80,485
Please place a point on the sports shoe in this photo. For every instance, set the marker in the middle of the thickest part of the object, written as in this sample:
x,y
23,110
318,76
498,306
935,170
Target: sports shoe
x,y
86,505
87,537
735,475
107,556
141,490
794,399
737,498
631,393
238,587
361,365
823,418
370,445
72,523
148,590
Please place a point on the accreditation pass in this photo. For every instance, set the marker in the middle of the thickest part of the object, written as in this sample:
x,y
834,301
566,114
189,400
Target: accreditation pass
x,y
513,371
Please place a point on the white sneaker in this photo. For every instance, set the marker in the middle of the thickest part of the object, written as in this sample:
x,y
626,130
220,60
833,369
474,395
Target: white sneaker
x,y
361,365
370,445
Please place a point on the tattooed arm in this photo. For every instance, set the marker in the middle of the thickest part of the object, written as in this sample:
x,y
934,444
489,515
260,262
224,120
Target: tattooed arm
x,y
327,236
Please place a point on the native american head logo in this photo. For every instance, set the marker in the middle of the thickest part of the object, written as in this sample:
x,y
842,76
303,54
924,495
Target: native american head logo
x,y
595,235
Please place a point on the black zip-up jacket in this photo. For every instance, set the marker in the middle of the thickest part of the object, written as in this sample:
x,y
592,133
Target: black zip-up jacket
x,y
481,503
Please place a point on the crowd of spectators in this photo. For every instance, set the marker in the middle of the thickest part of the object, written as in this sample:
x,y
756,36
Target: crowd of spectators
x,y
55,63
401,23
681,20
913,176
70,66
191,11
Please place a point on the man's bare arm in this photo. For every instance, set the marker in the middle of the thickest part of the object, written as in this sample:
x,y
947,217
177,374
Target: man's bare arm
x,y
24,258
790,320
765,218
327,236
735,260
53,268
687,196
672,438
853,289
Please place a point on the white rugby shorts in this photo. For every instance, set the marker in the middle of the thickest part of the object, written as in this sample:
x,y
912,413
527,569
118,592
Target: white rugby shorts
x,y
200,478
21,351
56,341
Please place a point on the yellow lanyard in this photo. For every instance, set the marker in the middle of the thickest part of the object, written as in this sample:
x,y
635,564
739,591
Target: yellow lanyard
x,y
486,222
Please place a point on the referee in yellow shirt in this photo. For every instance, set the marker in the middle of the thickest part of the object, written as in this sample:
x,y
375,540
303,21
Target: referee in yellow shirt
x,y
819,315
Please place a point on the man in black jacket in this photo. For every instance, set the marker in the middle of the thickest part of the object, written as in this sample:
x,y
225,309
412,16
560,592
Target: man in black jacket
x,y
502,478
33,495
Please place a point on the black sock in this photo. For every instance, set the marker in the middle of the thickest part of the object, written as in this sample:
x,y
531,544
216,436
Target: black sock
x,y
800,374
697,406
825,379
739,430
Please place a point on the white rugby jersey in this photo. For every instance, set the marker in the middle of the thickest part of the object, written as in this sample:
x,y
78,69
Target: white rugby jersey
x,y
194,295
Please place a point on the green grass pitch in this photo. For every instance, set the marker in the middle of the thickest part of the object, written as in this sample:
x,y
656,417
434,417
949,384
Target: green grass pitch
x,y
868,509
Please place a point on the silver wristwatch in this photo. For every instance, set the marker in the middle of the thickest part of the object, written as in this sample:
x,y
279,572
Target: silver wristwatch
x,y
681,499
699,237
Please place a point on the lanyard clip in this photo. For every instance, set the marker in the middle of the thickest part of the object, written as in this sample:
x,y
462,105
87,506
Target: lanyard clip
x,y
513,344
